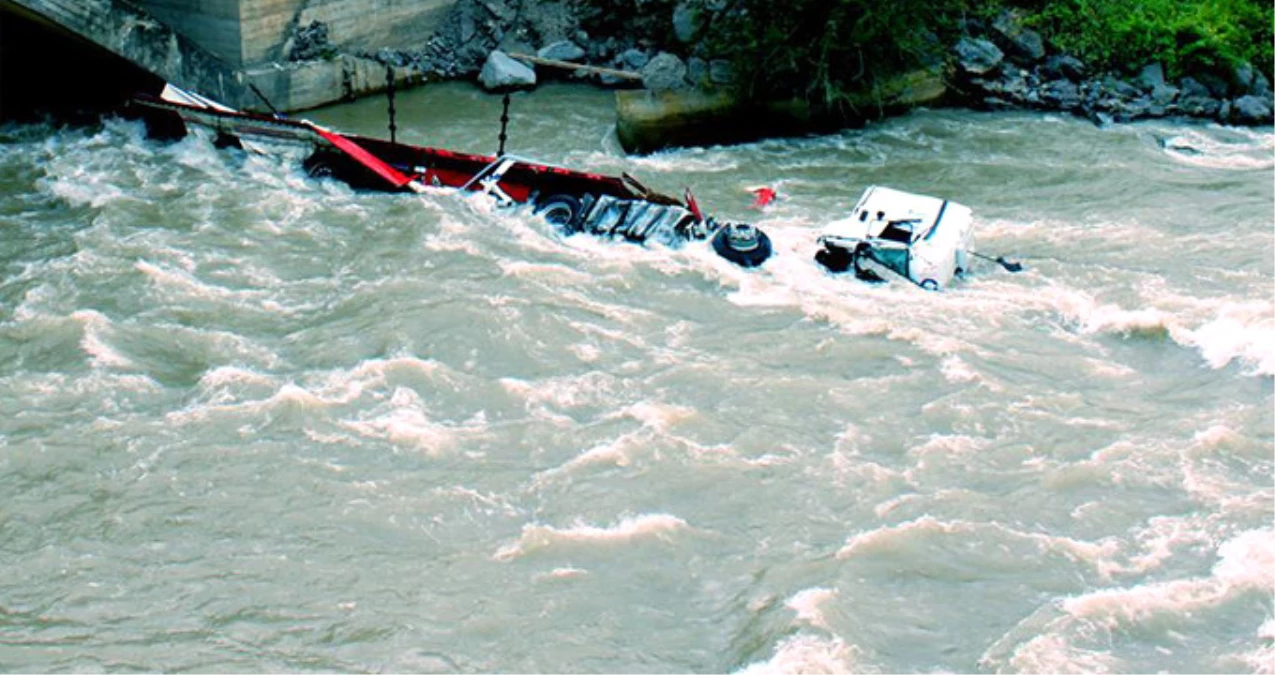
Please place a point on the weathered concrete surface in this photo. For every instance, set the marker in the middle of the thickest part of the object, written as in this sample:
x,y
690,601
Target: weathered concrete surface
x,y
648,121
309,84
137,36
247,33
218,47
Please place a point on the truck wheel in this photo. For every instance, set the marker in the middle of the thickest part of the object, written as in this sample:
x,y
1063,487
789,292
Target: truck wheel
x,y
560,211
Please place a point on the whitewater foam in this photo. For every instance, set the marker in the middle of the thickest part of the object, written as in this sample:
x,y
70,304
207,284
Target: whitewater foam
x,y
658,526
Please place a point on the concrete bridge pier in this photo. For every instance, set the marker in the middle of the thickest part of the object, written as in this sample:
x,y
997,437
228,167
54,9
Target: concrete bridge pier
x,y
215,47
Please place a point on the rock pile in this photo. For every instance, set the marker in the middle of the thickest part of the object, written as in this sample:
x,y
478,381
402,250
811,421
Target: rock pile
x,y
1007,66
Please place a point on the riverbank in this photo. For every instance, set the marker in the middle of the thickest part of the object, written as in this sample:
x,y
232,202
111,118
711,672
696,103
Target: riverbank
x,y
671,50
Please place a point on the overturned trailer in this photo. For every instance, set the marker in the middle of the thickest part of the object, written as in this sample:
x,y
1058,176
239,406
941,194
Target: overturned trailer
x,y
573,201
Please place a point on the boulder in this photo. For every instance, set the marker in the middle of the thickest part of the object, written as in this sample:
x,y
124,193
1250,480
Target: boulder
x,y
1217,86
688,22
1062,93
1249,80
562,50
1150,77
1164,94
697,71
633,59
1063,66
1191,88
503,73
664,72
1022,43
1199,106
1251,110
977,56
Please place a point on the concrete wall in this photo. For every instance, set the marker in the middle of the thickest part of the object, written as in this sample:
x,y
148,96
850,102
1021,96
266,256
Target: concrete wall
x,y
253,32
132,33
213,24
218,47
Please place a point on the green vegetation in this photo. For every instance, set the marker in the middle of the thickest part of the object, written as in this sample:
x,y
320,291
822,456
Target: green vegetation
x,y
821,49
1187,36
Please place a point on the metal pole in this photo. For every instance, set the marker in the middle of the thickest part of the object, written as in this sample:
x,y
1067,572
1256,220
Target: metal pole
x,y
504,126
389,91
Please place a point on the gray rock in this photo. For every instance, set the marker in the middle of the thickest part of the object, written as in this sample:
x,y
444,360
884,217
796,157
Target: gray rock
x,y
664,72
1164,94
1062,65
562,50
1249,80
1061,93
697,71
978,56
1191,88
1217,86
1121,89
1021,42
1199,106
1151,76
633,59
311,42
688,22
1027,45
1251,110
501,72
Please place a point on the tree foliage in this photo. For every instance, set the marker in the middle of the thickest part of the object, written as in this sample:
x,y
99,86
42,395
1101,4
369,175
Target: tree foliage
x,y
1187,36
821,49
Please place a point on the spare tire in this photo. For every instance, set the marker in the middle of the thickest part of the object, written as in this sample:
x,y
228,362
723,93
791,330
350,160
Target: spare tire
x,y
561,211
742,244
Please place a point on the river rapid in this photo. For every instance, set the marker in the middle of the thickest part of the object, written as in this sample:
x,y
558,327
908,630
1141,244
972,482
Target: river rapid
x,y
252,421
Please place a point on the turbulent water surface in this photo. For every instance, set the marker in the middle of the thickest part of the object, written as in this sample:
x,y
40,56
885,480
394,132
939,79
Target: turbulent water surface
x,y
254,421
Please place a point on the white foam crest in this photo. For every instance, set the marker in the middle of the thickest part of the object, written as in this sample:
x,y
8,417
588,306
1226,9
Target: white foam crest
x,y
686,160
659,526
950,445
894,539
1260,661
94,325
1056,654
615,453
288,396
224,376
657,416
1267,631
807,604
1215,147
1240,332
957,371
1092,317
1244,566
184,282
376,371
808,655
1248,561
1158,541
590,389
408,423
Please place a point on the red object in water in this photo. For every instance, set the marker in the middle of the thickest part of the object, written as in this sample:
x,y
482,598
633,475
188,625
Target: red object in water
x,y
372,162
765,196
693,206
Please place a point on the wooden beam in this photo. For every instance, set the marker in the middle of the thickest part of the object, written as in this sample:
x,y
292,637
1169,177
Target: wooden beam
x,y
568,65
